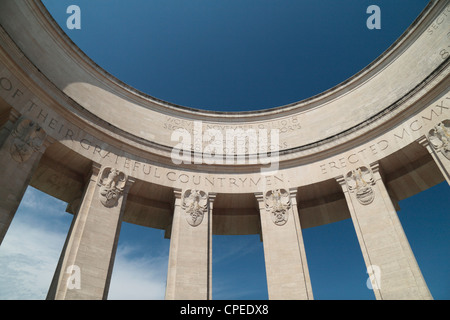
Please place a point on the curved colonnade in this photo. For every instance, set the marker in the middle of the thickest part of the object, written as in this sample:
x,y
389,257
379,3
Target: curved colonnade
x,y
75,132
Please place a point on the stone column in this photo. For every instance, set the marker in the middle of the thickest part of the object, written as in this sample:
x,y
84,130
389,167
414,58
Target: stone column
x,y
190,259
86,263
284,253
392,268
22,143
437,142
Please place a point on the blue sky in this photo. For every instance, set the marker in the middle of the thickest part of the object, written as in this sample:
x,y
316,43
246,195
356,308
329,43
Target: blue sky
x,y
232,55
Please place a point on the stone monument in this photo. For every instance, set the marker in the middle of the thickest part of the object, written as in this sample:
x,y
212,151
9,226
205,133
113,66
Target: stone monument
x,y
114,154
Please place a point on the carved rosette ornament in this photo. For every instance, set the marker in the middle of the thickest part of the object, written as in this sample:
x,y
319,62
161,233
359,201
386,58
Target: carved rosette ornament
x,y
195,205
360,181
278,203
439,138
28,138
112,183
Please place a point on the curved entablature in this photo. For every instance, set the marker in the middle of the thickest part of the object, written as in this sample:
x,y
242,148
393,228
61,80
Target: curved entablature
x,y
360,98
98,117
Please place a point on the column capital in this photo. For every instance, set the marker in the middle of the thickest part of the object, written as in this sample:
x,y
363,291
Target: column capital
x,y
259,195
212,197
128,184
423,141
177,192
113,184
375,167
27,138
341,180
293,195
293,191
95,169
377,171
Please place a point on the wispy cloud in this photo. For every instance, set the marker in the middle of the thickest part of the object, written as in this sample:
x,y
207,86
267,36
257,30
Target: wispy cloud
x,y
238,268
232,247
32,247
138,276
28,259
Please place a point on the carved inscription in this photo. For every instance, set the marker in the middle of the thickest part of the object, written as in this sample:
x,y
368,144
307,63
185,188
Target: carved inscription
x,y
439,21
278,204
360,182
195,205
409,130
28,138
439,138
201,133
112,183
52,124
202,180
284,125
106,154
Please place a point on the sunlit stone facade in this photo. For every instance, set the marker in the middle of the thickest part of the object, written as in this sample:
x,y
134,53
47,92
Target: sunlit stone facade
x,y
78,134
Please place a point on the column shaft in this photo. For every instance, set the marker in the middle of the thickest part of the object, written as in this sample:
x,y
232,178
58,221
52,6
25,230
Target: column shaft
x,y
392,267
190,257
284,253
22,144
85,268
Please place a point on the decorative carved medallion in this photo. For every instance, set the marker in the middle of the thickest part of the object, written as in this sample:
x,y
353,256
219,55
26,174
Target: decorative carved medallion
x,y
28,138
439,138
278,203
360,181
112,183
195,205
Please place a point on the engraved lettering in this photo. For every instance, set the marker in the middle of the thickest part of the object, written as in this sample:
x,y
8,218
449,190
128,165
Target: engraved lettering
x,y
441,106
69,134
16,93
6,84
184,178
198,180
431,115
352,155
170,175
126,163
386,144
32,106
146,172
44,116
85,144
209,181
403,133
418,127
52,123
